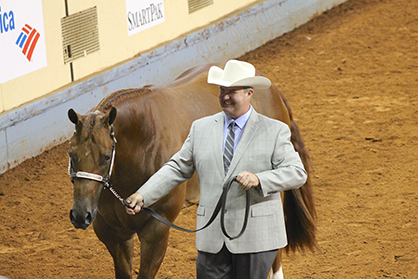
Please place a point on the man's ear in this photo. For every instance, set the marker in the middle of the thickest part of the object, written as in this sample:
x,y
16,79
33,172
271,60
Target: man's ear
x,y
250,91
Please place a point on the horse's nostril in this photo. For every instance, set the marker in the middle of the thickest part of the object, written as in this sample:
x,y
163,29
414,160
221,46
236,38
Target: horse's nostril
x,y
88,218
72,218
81,221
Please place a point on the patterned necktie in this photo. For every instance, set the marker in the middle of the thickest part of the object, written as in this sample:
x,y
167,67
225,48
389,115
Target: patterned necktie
x,y
229,147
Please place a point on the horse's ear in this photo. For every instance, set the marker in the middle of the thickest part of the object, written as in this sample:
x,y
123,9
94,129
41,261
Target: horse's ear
x,y
112,115
73,116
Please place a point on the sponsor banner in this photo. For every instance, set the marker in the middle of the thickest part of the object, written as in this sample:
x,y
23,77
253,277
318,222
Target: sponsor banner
x,y
143,14
22,38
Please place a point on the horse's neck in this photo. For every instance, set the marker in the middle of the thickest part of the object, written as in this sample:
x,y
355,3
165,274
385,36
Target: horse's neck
x,y
138,153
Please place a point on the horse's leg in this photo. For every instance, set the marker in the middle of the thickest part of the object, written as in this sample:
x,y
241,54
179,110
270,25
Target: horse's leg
x,y
154,241
277,271
121,247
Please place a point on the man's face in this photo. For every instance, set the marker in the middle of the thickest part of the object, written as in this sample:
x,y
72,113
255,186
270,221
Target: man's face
x,y
235,101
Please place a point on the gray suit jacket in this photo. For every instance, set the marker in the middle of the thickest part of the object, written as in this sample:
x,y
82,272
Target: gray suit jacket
x,y
264,149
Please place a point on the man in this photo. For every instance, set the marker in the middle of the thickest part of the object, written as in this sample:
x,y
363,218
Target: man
x,y
236,142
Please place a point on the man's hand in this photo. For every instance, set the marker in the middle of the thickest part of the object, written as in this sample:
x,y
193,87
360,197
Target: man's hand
x,y
247,180
136,202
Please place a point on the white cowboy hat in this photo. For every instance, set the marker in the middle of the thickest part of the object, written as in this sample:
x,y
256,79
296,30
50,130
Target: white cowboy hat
x,y
237,73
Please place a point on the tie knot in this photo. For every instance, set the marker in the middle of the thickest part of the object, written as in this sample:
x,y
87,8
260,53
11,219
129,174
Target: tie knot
x,y
232,125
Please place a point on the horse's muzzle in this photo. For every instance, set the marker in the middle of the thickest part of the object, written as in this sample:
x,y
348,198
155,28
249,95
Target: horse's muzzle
x,y
81,220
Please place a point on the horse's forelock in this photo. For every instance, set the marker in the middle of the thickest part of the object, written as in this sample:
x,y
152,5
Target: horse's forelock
x,y
91,121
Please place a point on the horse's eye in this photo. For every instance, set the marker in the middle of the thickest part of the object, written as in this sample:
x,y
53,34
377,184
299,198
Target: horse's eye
x,y
72,156
73,159
106,158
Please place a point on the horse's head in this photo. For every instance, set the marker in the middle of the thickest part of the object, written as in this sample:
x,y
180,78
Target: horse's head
x,y
91,149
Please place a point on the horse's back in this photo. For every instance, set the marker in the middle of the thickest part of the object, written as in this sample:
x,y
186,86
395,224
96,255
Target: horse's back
x,y
194,76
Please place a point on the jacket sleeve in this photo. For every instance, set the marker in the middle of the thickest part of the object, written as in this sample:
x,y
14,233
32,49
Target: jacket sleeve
x,y
287,168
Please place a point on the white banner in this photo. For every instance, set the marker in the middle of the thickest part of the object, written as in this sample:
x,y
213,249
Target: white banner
x,y
22,38
143,14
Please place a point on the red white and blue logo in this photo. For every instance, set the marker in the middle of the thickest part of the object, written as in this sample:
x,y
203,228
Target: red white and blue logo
x,y
22,38
27,40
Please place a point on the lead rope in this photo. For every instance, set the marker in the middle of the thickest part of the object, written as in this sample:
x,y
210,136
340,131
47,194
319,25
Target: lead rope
x,y
123,201
220,206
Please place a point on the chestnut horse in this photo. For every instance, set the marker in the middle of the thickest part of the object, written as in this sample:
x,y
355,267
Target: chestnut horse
x,y
150,125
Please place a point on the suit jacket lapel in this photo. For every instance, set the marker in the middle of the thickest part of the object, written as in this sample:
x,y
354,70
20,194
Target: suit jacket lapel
x,y
218,133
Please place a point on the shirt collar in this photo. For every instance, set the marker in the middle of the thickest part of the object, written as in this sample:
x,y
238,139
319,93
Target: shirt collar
x,y
240,121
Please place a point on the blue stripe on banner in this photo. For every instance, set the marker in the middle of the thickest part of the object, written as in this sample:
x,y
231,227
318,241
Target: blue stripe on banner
x,y
18,39
21,40
24,40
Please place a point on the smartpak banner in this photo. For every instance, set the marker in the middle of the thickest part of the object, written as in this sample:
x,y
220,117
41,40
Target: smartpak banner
x,y
143,14
22,38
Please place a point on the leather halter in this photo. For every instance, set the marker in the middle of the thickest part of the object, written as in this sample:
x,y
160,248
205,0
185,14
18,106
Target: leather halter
x,y
92,176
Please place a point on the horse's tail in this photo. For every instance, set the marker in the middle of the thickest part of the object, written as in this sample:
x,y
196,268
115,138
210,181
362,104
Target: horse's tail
x,y
299,206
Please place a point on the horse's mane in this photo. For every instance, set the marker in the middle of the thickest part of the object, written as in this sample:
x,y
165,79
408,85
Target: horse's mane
x,y
122,96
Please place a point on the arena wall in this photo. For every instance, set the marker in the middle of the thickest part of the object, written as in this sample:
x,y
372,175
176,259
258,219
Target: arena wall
x,y
36,120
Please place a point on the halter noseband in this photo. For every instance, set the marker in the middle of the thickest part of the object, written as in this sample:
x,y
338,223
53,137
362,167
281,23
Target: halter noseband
x,y
92,176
